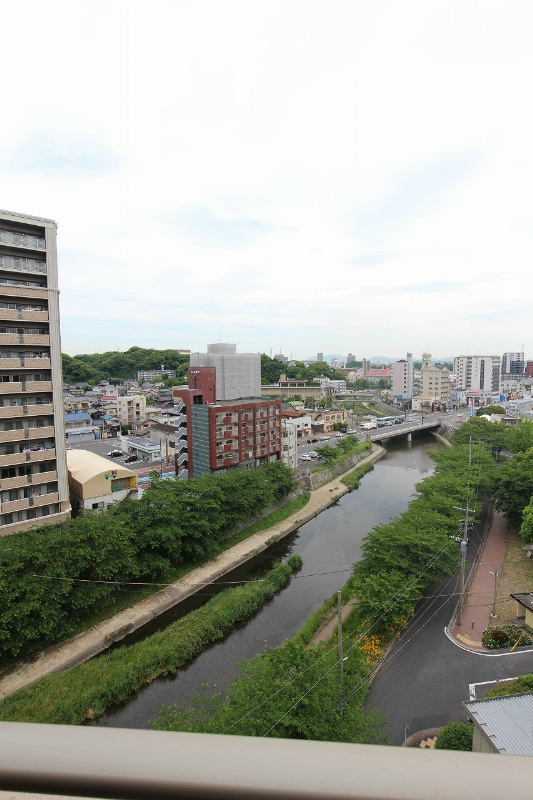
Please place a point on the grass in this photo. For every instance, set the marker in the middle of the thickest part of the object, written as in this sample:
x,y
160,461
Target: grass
x,y
517,576
353,478
86,691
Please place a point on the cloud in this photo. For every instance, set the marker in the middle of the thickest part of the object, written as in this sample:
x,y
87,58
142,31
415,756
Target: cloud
x,y
48,154
203,226
419,191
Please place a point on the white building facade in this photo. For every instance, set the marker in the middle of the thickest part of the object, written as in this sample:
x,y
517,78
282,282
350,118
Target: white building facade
x,y
237,374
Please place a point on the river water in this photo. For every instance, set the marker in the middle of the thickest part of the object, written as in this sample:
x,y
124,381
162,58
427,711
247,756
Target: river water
x,y
328,544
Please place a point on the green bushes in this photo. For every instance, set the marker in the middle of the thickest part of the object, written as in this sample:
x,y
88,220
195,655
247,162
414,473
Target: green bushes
x,y
524,683
505,636
353,478
455,736
335,456
46,573
88,690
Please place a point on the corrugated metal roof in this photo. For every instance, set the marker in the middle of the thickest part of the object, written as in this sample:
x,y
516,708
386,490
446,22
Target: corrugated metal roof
x,y
78,416
506,721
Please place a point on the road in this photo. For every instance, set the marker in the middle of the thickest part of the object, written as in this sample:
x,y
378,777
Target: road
x,y
426,676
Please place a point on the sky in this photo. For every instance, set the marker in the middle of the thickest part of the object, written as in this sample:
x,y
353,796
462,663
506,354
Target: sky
x,y
294,176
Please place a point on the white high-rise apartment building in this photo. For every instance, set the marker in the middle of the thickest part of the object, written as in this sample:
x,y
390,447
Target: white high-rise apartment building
x,y
33,465
238,374
403,378
477,373
513,366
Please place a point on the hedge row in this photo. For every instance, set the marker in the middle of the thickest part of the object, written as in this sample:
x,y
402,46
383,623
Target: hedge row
x,y
87,691
43,595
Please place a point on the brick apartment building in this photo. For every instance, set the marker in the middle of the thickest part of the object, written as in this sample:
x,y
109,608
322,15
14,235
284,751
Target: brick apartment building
x,y
224,434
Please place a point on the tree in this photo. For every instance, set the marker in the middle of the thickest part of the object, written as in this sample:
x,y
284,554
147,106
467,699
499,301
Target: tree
x,y
520,436
455,736
492,434
490,410
512,485
526,529
288,692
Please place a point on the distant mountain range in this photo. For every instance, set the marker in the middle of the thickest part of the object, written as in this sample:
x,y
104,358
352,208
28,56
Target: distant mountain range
x,y
378,359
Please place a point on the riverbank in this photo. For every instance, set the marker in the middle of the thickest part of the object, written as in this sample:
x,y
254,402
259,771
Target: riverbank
x,y
98,638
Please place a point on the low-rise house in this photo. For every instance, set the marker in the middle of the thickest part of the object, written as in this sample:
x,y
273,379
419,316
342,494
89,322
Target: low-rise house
x,y
144,447
96,482
79,427
324,421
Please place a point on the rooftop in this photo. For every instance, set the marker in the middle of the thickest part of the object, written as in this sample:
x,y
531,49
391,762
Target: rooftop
x,y
506,722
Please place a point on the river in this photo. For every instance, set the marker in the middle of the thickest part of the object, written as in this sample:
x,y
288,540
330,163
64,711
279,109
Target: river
x,y
328,544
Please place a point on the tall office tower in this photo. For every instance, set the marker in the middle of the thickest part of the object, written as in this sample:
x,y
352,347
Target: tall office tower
x,y
320,356
238,374
33,465
477,373
351,357
513,366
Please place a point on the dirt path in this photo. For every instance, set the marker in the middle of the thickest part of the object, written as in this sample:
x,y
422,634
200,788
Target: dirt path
x,y
325,633
98,638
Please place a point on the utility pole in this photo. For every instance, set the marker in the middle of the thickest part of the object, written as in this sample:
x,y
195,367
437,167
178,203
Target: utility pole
x,y
464,543
494,615
339,637
339,634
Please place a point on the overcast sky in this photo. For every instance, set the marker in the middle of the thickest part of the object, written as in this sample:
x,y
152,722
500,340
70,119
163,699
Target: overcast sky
x,y
317,176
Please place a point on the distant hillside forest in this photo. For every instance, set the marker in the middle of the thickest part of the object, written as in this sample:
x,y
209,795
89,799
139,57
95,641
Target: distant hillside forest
x,y
117,367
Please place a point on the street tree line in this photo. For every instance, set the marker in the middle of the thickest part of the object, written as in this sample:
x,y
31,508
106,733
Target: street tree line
x,y
173,524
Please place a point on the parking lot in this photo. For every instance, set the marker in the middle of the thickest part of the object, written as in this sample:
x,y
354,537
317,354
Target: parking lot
x,y
103,447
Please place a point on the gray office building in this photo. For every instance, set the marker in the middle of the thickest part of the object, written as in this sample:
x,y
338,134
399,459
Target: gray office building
x,y
33,464
238,374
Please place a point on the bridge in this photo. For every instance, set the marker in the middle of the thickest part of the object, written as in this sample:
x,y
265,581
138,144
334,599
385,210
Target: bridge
x,y
406,429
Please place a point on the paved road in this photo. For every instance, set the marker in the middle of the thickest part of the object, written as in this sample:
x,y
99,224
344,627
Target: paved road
x,y
426,676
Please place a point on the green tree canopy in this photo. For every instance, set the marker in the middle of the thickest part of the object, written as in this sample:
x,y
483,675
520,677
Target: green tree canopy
x,y
455,736
512,485
288,692
520,436
492,434
490,410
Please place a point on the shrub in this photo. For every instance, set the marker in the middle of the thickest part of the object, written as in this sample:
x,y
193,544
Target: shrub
x,y
504,636
455,736
524,683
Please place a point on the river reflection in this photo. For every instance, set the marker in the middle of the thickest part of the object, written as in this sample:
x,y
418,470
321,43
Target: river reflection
x,y
328,544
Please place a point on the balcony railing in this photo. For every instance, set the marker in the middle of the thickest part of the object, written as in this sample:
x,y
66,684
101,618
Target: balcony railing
x,y
22,240
22,264
78,761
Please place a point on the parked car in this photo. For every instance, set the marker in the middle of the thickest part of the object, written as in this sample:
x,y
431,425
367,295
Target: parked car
x,y
313,454
130,459
305,457
114,454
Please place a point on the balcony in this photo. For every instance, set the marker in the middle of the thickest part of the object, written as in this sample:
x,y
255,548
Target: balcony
x,y
13,459
23,264
28,240
43,340
79,761
32,409
36,478
45,499
23,291
18,316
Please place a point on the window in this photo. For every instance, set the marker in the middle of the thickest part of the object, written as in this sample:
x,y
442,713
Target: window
x,y
8,472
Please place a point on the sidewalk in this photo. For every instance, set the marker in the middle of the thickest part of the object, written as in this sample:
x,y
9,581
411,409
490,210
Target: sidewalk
x,y
98,638
479,597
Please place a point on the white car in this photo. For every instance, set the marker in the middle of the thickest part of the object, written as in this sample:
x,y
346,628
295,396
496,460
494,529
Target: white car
x,y
114,454
305,457
313,454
